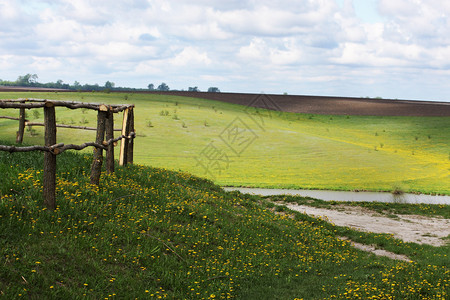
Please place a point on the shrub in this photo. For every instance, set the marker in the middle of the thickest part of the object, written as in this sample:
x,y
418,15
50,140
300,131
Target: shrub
x,y
83,120
36,114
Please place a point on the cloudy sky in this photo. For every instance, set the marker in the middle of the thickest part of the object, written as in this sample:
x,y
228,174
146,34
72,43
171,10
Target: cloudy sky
x,y
385,48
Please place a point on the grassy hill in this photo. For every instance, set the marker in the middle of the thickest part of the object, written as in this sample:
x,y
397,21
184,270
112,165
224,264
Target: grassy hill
x,y
153,233
270,149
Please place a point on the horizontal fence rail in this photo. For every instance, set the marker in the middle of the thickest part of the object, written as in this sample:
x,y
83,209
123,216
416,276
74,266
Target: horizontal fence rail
x,y
9,118
105,127
64,126
39,103
60,148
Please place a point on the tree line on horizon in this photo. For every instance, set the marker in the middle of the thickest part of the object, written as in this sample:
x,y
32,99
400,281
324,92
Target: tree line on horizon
x,y
31,80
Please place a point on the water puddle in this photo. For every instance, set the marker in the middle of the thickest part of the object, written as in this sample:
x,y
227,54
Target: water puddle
x,y
348,196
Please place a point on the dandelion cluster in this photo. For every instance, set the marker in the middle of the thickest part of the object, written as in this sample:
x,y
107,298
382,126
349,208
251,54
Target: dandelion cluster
x,y
148,232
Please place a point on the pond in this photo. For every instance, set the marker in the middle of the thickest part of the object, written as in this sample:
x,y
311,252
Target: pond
x,y
348,196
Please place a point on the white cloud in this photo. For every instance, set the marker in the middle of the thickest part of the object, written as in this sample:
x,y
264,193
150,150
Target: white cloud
x,y
256,50
206,31
191,56
418,21
268,19
285,57
9,11
246,44
45,64
215,78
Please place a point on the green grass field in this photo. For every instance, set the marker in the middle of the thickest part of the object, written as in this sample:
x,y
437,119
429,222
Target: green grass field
x,y
148,233
277,150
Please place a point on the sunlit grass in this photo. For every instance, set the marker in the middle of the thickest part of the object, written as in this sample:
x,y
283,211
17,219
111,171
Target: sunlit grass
x,y
152,233
289,151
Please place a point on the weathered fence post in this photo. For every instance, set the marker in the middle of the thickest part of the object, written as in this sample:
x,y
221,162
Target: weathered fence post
x,y
49,179
110,136
96,168
105,123
123,157
131,141
19,137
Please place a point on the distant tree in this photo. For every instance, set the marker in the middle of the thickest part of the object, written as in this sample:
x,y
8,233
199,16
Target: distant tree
x,y
91,87
109,85
193,89
33,79
163,87
151,87
213,90
27,80
7,83
76,85
59,84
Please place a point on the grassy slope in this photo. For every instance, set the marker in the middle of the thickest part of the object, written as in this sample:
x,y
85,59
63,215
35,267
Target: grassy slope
x,y
289,150
150,232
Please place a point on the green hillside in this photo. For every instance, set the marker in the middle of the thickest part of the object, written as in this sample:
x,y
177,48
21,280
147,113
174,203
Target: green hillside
x,y
238,147
150,233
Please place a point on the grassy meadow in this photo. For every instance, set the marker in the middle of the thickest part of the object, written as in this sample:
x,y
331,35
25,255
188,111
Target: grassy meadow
x,y
236,146
149,233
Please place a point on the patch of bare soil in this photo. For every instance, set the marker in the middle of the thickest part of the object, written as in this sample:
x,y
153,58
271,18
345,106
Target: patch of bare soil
x,y
322,105
378,252
409,228
29,89
328,105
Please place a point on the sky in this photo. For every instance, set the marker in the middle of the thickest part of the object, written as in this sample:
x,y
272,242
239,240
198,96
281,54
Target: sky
x,y
398,49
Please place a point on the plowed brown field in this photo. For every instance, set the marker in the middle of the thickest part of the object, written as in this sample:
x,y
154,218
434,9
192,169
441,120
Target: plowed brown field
x,y
330,105
310,104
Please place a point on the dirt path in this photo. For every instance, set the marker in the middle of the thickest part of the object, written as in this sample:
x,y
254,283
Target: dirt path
x,y
409,228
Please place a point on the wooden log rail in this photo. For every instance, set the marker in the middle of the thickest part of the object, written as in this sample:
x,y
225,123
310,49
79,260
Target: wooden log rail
x,y
10,118
65,126
105,127
40,103
61,147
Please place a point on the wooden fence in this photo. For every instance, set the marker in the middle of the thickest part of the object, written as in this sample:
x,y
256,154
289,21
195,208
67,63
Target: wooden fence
x,y
105,127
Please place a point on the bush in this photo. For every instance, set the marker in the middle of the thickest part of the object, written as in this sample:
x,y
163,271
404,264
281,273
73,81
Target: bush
x,y
36,114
